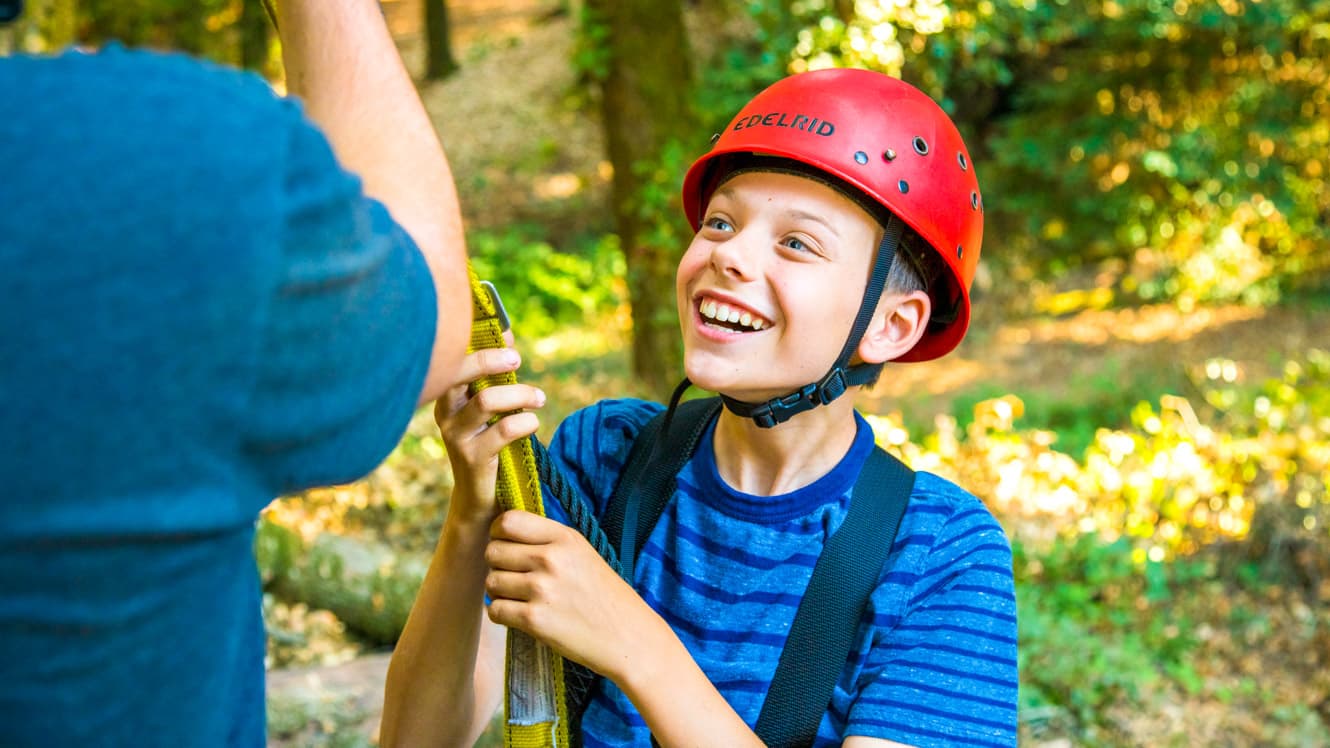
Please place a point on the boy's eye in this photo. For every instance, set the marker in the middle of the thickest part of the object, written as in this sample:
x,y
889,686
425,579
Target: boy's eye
x,y
719,224
797,244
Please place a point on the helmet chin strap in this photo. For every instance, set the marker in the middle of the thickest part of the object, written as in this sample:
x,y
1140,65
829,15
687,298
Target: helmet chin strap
x,y
842,375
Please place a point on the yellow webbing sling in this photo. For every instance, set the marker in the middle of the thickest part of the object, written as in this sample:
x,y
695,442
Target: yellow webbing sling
x,y
535,715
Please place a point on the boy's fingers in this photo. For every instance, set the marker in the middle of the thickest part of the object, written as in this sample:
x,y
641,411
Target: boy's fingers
x,y
525,528
507,555
450,402
508,585
505,431
505,398
472,418
486,362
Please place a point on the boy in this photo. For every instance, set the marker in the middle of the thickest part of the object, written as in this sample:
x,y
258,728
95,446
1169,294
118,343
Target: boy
x,y
820,184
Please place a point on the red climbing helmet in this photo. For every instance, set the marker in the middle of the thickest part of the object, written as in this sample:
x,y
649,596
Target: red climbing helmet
x,y
884,137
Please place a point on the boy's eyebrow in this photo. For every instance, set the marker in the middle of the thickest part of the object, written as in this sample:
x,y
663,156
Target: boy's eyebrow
x,y
805,215
728,192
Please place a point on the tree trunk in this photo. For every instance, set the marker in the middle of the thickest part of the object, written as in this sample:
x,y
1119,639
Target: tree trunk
x,y
439,60
59,23
650,132
255,37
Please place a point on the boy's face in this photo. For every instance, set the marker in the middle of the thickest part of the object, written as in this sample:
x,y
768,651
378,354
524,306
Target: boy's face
x,y
789,258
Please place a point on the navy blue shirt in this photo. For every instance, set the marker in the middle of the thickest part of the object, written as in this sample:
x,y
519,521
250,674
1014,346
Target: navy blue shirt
x,y
199,311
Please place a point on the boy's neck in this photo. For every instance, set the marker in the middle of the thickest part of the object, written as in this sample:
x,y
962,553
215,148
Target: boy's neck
x,y
774,461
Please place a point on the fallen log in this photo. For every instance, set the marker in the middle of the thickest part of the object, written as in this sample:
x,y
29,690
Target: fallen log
x,y
367,585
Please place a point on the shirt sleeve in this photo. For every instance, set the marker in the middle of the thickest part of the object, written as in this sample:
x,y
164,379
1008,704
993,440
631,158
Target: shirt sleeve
x,y
946,672
347,338
591,447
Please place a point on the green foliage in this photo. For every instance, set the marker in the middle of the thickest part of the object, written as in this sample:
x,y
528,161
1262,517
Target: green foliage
x,y
1185,140
235,32
1080,407
591,46
544,288
752,58
1086,590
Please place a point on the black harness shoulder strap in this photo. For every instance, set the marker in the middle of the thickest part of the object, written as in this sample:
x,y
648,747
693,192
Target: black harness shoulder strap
x,y
844,576
833,605
647,481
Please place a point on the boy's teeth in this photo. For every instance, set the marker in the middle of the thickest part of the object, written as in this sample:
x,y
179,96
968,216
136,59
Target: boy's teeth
x,y
715,310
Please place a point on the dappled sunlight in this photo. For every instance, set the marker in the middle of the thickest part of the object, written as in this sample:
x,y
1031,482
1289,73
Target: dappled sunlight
x,y
578,342
1146,324
956,374
557,186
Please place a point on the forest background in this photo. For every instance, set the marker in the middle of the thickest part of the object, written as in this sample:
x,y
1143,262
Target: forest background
x,y
1144,399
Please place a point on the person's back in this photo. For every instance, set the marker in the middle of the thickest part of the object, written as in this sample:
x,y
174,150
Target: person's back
x,y
200,311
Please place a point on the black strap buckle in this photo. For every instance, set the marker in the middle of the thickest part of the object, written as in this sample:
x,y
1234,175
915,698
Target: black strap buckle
x,y
781,409
832,386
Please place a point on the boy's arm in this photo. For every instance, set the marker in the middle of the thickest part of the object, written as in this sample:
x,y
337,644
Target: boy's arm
x,y
446,674
341,60
445,679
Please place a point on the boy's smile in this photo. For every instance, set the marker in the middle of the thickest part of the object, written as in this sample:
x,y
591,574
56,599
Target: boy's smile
x,y
770,285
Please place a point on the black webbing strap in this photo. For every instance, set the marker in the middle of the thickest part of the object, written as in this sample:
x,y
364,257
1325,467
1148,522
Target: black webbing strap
x,y
833,605
645,486
647,481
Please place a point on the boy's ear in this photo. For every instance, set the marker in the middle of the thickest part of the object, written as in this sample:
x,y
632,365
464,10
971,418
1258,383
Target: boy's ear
x,y
899,323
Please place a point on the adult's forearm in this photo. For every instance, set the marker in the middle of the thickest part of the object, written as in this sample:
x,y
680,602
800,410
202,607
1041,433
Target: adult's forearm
x,y
342,62
446,672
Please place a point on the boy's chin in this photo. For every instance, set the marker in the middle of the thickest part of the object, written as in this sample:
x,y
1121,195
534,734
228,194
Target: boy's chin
x,y
721,385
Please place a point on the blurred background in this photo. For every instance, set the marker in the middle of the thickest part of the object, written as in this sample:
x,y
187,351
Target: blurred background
x,y
1144,397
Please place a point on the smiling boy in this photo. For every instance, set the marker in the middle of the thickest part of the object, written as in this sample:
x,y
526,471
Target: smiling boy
x,y
822,251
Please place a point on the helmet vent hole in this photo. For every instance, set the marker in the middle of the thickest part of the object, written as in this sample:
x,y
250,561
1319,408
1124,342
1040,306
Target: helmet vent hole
x,y
889,155
860,157
974,201
904,186
960,251
960,158
920,146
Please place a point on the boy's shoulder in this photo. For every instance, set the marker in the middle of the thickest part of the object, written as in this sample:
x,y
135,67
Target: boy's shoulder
x,y
949,502
591,445
617,419
945,522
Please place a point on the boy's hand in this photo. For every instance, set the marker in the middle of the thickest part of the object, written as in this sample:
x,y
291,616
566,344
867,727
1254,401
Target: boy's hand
x,y
473,443
548,581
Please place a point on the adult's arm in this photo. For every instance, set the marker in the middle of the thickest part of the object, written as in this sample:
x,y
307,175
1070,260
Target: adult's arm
x,y
341,61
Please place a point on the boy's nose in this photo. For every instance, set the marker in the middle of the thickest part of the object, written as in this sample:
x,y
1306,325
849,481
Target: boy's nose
x,y
736,257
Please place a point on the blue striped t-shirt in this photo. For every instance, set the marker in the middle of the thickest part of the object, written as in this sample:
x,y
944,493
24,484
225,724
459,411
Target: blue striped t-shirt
x,y
934,662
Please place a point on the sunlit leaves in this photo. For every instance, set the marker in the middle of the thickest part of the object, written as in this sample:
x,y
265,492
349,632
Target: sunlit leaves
x,y
1187,135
